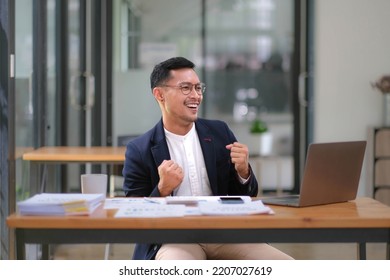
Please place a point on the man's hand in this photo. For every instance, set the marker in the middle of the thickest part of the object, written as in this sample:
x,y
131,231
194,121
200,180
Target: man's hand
x,y
171,175
239,154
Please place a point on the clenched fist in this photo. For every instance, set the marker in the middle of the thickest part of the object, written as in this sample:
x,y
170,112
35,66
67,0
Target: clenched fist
x,y
239,154
171,175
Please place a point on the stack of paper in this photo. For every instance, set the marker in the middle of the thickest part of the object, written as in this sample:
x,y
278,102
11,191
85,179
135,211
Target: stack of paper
x,y
60,204
178,206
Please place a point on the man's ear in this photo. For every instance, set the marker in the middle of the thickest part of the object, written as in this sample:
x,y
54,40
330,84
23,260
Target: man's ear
x,y
158,94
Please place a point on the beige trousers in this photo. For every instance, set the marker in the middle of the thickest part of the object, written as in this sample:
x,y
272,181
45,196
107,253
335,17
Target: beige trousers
x,y
202,251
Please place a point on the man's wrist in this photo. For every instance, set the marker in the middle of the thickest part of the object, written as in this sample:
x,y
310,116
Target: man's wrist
x,y
243,180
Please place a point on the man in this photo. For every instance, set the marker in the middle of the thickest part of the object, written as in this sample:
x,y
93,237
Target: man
x,y
186,155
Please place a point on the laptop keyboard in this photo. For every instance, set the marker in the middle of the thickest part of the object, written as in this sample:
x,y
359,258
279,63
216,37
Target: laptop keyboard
x,y
289,199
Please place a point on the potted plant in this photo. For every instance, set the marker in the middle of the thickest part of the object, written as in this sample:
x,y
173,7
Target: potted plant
x,y
259,129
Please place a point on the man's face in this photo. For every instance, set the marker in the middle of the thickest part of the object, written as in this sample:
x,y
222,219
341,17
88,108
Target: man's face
x,y
180,110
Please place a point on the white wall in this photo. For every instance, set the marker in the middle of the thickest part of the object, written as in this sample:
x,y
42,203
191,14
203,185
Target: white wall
x,y
352,49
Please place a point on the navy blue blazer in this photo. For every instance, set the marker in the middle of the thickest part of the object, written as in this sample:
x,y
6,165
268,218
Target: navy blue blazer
x,y
145,153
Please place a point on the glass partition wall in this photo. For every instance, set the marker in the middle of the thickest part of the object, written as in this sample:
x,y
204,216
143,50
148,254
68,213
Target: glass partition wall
x,y
66,92
61,87
243,52
23,91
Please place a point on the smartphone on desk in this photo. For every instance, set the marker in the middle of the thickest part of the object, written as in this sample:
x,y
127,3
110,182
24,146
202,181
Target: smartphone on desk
x,y
231,200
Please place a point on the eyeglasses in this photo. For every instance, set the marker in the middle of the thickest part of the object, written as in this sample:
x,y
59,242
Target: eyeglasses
x,y
186,88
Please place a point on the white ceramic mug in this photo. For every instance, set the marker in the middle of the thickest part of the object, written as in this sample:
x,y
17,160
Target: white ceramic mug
x,y
94,183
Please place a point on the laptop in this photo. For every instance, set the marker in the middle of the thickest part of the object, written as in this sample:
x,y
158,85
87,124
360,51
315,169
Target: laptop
x,y
331,175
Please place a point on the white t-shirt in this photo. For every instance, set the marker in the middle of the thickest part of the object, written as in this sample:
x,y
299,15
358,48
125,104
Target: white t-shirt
x,y
186,152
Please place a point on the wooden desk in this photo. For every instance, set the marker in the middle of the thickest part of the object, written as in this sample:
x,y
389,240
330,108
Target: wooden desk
x,y
64,155
359,221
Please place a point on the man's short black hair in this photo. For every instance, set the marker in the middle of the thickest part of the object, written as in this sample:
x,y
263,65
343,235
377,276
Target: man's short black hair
x,y
161,72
